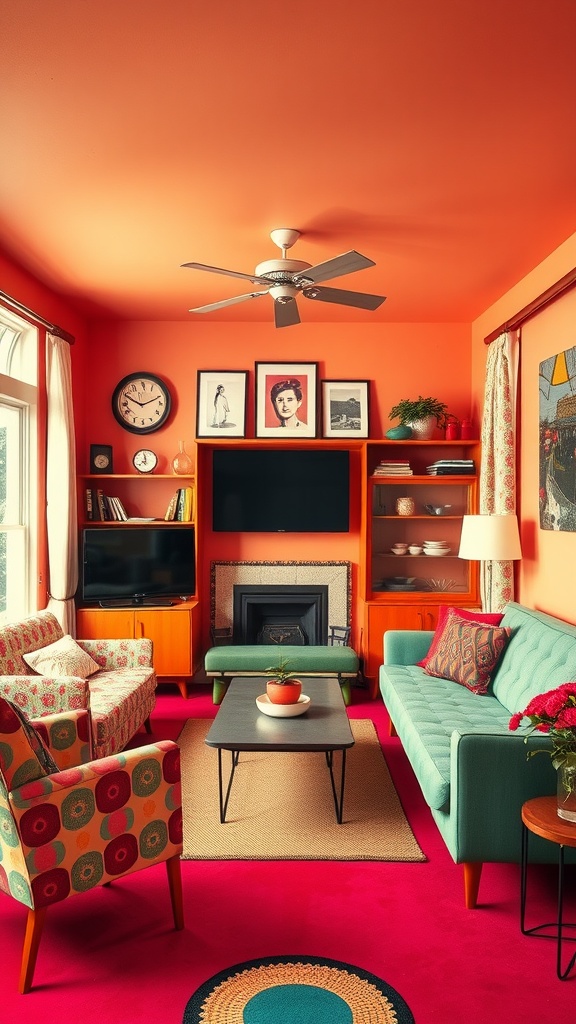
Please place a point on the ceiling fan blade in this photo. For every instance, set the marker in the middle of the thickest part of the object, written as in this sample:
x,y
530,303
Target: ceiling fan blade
x,y
226,302
227,273
359,299
286,313
348,263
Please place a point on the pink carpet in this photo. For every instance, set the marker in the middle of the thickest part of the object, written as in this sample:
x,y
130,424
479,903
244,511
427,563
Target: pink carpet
x,y
112,957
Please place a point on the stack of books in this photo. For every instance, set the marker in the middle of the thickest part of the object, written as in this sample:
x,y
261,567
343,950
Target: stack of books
x,y
393,467
181,506
451,467
102,507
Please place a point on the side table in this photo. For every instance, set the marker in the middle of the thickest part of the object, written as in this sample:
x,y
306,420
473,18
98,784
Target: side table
x,y
540,817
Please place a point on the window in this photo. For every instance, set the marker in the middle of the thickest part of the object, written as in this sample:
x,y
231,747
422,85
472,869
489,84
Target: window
x,y
18,466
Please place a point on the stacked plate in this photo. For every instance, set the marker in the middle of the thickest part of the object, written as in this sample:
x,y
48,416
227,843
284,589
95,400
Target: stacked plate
x,y
436,547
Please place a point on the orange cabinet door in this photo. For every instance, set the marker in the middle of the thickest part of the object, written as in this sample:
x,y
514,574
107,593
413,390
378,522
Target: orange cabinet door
x,y
383,617
171,634
102,624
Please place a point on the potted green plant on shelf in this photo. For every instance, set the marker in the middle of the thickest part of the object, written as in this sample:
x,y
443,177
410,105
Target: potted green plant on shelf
x,y
282,687
421,415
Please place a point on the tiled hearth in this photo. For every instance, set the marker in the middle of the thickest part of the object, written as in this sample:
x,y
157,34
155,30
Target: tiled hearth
x,y
225,575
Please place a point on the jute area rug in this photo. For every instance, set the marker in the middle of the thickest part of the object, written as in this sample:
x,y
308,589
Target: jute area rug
x,y
296,990
281,805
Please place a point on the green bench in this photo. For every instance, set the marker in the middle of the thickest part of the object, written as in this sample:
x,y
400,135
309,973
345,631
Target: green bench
x,y
224,662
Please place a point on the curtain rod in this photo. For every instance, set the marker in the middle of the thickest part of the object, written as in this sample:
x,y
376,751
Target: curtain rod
x,y
550,295
59,332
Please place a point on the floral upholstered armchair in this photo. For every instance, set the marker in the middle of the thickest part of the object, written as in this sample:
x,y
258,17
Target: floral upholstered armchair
x,y
63,832
44,671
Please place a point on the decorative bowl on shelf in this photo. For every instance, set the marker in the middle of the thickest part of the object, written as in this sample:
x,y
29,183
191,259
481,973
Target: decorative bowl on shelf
x,y
437,551
437,510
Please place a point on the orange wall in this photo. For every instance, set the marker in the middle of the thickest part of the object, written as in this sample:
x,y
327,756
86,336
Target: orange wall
x,y
544,577
401,361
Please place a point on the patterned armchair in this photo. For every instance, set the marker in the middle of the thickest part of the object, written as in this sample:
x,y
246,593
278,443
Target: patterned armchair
x,y
63,832
45,672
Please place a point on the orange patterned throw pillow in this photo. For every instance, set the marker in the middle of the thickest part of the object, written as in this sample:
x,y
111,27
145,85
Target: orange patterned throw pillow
x,y
63,658
467,653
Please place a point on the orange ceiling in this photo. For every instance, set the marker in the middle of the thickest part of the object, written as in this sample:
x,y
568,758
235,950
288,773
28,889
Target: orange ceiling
x,y
437,138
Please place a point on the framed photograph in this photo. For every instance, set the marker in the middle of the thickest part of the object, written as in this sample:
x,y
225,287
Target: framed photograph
x,y
221,403
286,403
345,408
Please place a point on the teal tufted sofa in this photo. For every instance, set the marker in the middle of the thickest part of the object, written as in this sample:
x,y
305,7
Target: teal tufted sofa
x,y
473,772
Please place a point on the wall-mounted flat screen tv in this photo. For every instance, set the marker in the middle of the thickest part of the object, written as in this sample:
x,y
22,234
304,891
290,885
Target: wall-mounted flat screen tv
x,y
131,566
280,490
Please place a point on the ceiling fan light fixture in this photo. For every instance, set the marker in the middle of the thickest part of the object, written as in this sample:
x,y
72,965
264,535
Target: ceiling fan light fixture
x,y
283,292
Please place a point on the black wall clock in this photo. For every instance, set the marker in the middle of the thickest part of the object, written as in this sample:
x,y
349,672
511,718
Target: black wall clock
x,y
141,402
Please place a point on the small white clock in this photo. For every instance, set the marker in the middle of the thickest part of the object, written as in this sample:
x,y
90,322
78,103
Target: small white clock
x,y
145,460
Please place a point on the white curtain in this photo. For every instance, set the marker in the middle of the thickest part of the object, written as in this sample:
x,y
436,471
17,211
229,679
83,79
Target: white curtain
x,y
498,466
62,522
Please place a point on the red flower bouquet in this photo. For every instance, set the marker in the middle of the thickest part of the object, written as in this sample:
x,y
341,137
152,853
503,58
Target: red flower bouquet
x,y
553,713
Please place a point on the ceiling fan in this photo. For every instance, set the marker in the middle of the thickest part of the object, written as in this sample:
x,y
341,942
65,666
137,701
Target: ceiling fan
x,y
285,279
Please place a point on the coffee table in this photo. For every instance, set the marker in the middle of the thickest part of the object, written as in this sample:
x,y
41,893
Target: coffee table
x,y
239,725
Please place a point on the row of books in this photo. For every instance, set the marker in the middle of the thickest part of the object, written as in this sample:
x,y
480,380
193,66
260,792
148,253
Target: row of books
x,y
181,506
451,467
393,467
102,507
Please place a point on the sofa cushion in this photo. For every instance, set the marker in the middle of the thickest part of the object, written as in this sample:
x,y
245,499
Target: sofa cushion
x,y
62,658
425,710
120,702
488,618
540,656
467,653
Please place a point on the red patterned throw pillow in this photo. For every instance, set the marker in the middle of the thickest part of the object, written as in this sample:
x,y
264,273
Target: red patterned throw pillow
x,y
467,653
480,618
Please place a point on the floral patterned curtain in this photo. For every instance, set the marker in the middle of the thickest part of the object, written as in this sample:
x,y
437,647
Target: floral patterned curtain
x,y
498,466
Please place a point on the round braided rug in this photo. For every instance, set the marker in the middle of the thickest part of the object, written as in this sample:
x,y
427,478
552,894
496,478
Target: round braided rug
x,y
296,990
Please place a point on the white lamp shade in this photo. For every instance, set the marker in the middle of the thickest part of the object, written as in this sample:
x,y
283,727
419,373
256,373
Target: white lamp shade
x,y
490,538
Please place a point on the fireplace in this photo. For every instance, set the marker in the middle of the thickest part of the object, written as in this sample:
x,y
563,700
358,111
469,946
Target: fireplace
x,y
280,614
333,579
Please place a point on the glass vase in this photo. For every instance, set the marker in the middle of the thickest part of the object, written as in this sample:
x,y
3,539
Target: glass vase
x,y
566,792
405,506
182,463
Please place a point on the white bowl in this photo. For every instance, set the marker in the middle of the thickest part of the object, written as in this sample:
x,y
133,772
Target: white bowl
x,y
399,551
265,705
436,551
435,543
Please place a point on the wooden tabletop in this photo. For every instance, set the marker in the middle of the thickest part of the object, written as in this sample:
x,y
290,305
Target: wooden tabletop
x,y
540,815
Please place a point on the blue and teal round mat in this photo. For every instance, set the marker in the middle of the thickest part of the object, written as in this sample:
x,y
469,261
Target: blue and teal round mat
x,y
296,990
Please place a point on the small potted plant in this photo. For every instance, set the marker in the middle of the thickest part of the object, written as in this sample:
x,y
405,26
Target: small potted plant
x,y
282,687
421,415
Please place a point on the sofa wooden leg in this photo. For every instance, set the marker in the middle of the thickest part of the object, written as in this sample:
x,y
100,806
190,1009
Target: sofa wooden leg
x,y
34,924
392,729
472,872
346,689
175,883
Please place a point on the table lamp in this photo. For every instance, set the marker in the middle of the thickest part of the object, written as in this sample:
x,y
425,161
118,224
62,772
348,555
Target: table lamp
x,y
490,538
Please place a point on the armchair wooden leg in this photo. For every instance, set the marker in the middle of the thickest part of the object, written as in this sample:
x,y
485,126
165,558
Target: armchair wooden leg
x,y
392,729
175,884
34,924
472,872
148,725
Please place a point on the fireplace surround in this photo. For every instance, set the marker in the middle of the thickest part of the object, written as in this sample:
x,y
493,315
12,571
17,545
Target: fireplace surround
x,y
325,585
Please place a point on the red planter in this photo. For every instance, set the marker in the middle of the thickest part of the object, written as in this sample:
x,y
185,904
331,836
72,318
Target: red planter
x,y
284,693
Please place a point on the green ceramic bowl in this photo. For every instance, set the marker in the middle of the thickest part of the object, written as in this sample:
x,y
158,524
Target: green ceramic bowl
x,y
399,433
